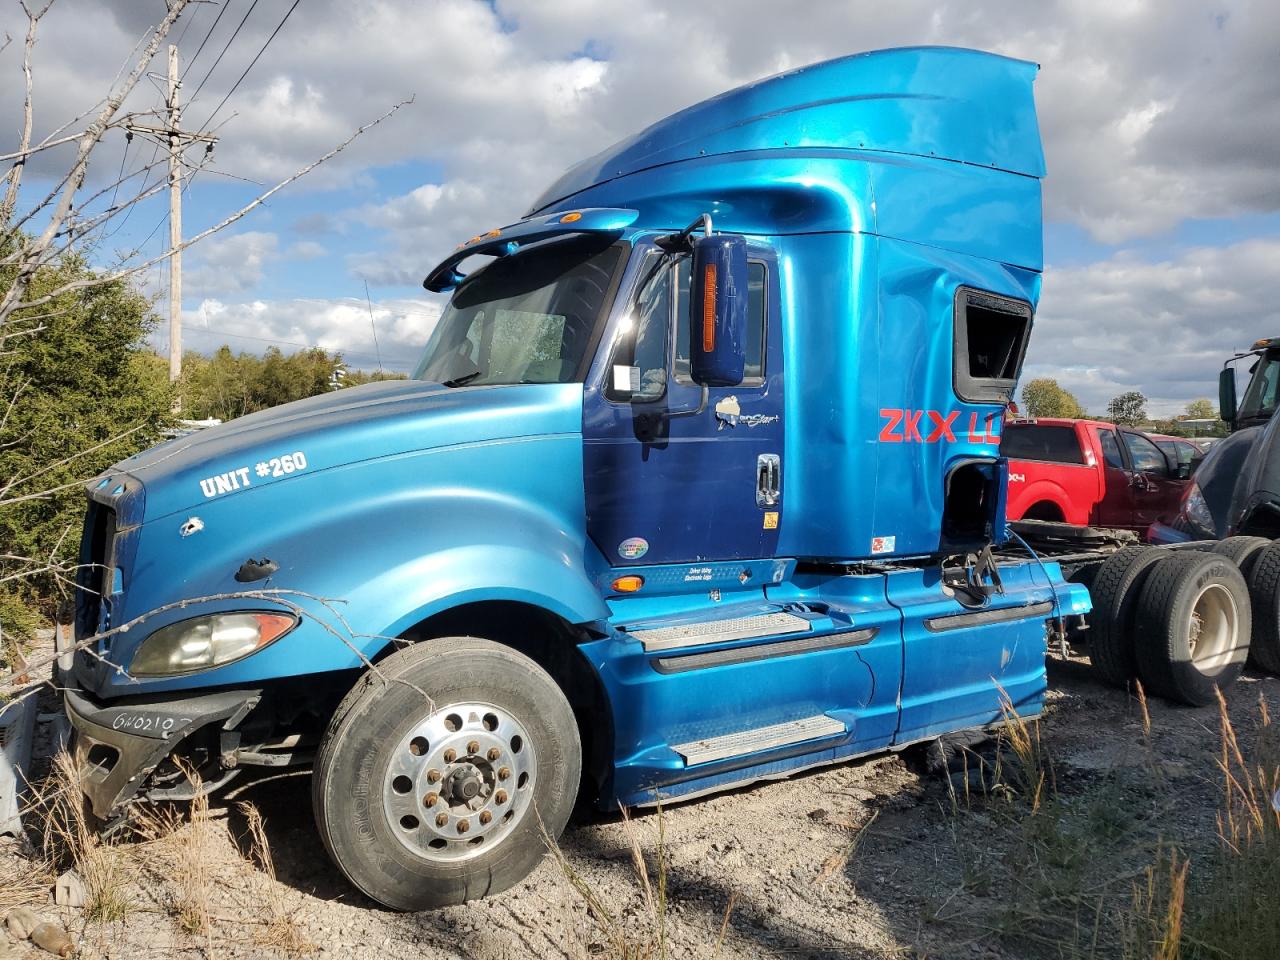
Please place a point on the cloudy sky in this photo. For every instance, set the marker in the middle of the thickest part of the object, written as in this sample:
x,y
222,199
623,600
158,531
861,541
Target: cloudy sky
x,y
1161,123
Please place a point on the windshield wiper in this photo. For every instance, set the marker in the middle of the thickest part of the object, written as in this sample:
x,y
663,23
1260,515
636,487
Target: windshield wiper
x,y
460,381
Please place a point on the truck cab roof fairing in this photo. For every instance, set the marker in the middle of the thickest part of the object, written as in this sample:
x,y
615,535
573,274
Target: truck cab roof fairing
x,y
945,102
509,239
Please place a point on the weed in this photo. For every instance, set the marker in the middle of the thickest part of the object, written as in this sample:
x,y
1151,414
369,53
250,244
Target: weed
x,y
283,932
69,839
193,869
623,941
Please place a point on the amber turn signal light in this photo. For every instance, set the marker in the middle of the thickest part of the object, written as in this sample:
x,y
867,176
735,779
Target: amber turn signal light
x,y
709,309
628,584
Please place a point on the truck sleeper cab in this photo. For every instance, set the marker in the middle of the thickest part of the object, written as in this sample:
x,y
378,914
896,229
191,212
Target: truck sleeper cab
x,y
695,484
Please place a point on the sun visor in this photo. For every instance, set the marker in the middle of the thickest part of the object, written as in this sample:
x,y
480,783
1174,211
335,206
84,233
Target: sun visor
x,y
504,242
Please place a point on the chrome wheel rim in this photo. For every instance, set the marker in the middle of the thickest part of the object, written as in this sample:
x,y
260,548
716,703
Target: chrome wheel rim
x,y
1212,629
459,781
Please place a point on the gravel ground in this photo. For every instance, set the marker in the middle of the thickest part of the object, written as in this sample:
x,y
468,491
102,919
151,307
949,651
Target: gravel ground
x,y
874,858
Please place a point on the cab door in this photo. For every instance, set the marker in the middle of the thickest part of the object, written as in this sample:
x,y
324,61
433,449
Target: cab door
x,y
1155,492
1115,508
671,476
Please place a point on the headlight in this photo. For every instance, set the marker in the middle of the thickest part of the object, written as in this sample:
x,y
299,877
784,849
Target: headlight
x,y
210,641
1197,512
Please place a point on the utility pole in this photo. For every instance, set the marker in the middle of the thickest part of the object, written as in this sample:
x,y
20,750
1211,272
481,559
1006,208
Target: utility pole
x,y
175,140
175,220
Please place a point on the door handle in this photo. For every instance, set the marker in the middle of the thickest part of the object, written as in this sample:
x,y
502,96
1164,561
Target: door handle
x,y
768,479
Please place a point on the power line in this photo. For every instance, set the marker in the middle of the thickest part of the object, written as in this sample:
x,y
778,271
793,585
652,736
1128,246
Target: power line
x,y
225,48
186,26
278,28
192,62
128,142
372,326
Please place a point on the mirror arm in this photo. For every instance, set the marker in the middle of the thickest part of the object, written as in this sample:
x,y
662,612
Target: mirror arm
x,y
681,241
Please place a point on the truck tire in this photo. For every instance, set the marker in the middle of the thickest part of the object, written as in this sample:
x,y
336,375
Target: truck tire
x,y
1242,550
1193,622
1264,594
443,770
1114,592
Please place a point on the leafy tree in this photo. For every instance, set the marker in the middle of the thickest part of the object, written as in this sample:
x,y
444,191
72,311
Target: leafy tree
x,y
1129,408
227,385
356,378
79,395
1043,397
1201,410
1172,428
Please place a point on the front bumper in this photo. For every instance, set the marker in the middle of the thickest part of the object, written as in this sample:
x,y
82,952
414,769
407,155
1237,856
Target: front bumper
x,y
117,746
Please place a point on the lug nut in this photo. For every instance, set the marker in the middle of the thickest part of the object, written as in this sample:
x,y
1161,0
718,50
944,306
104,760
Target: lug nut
x,y
450,755
494,753
441,819
463,826
473,747
500,797
485,817
433,776
504,772
430,799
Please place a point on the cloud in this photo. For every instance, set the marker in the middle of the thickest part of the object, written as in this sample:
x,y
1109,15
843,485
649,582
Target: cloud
x,y
230,262
1151,112
402,328
1162,328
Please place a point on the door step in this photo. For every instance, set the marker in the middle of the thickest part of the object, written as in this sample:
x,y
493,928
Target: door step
x,y
719,631
761,738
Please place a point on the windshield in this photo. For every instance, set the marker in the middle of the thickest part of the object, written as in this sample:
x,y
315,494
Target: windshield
x,y
527,318
1260,396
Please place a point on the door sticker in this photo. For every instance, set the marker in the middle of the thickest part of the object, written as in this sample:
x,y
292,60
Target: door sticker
x,y
729,413
883,544
633,548
771,519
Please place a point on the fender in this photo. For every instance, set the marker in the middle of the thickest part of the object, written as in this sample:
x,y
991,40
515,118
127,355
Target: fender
x,y
1026,495
387,542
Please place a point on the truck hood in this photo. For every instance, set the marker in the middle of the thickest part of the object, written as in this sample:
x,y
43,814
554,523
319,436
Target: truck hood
x,y
1239,476
334,429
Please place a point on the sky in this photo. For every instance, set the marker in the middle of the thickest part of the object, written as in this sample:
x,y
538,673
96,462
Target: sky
x,y
1160,121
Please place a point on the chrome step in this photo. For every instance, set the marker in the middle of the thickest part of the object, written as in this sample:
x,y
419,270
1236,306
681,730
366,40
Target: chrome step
x,y
761,738
719,631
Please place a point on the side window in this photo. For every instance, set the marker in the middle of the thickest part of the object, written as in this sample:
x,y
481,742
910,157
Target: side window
x,y
1146,456
639,368
1048,444
754,368
1110,449
990,339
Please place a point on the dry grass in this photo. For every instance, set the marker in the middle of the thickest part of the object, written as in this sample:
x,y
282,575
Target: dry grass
x,y
282,930
69,840
838,860
195,864
646,936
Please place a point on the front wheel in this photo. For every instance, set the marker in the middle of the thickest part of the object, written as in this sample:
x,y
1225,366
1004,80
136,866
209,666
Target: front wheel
x,y
443,771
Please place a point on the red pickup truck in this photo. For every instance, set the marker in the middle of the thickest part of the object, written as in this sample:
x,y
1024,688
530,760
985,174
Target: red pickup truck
x,y
1089,472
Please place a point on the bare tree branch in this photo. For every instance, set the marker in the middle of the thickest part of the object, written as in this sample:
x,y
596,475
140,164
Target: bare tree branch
x,y
222,225
4,489
14,176
12,298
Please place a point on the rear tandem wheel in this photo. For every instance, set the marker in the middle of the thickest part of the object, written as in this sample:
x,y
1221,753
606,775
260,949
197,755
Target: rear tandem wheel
x,y
1192,626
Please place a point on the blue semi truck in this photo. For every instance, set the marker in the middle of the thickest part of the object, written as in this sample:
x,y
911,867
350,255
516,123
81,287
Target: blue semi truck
x,y
697,483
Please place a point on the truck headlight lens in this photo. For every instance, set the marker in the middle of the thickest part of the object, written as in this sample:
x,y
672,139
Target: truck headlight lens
x,y
1198,514
204,642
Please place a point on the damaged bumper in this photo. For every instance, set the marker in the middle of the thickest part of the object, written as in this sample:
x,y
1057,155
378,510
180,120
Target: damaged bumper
x,y
118,746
